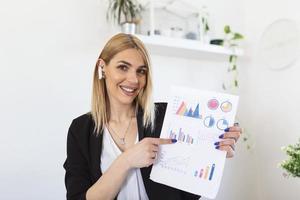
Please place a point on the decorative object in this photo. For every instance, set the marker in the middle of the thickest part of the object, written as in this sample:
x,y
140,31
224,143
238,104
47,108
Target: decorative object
x,y
279,45
292,164
231,41
156,32
175,18
217,42
203,26
177,32
126,13
191,36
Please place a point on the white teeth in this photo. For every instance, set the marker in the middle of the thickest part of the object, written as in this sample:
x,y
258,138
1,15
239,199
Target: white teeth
x,y
127,89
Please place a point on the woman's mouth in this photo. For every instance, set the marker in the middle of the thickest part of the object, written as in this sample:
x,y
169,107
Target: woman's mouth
x,y
129,91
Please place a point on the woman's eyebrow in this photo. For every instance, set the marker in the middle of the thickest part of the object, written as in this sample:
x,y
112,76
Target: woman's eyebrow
x,y
143,67
129,64
125,62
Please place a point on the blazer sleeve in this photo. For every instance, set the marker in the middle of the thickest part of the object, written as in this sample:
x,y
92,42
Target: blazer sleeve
x,y
189,196
77,178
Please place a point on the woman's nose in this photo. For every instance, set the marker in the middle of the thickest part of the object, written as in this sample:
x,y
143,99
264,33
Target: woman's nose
x,y
132,77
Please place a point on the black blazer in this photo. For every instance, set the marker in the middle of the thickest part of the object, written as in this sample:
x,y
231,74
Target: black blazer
x,y
83,159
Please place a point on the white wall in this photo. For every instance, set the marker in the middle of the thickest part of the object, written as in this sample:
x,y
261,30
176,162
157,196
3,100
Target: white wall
x,y
269,110
48,50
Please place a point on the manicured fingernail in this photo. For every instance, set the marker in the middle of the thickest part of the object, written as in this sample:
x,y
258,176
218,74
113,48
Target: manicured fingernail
x,y
174,140
221,136
226,129
217,147
217,143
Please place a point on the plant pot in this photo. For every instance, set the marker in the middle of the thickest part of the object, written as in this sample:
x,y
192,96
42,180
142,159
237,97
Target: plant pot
x,y
217,42
129,28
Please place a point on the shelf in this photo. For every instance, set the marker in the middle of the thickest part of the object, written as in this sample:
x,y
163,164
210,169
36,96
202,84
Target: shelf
x,y
169,46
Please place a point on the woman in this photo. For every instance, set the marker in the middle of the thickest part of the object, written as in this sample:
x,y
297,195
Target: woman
x,y
110,150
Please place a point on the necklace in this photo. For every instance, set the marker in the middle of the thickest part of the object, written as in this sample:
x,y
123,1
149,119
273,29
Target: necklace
x,y
122,139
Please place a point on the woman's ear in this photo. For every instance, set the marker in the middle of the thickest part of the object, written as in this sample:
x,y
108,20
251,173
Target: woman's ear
x,y
101,65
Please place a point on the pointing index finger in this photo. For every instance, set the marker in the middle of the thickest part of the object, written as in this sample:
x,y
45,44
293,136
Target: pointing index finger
x,y
167,141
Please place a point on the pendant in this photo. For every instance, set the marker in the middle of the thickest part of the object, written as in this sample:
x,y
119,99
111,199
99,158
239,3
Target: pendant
x,y
122,140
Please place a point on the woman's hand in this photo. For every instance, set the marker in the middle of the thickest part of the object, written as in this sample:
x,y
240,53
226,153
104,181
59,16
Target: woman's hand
x,y
143,153
229,139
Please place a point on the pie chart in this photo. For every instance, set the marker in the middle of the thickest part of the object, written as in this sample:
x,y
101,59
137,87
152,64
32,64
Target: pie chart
x,y
209,121
222,124
226,106
213,104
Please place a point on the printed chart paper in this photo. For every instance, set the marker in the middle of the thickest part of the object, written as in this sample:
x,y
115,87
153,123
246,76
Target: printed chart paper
x,y
196,119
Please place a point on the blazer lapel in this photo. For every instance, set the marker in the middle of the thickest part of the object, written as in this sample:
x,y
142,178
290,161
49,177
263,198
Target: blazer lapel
x,y
95,152
141,129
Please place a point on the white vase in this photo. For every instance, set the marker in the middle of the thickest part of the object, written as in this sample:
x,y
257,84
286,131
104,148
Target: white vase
x,y
129,28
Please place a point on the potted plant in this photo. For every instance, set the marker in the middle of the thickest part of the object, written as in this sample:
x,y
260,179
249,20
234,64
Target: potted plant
x,y
292,164
203,25
126,13
231,41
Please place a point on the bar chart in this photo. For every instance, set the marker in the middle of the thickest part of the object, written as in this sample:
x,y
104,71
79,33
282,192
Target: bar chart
x,y
181,136
205,173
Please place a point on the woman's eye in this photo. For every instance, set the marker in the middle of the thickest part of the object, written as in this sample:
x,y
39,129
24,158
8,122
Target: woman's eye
x,y
123,67
142,71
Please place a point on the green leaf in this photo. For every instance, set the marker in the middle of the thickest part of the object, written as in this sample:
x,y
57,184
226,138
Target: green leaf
x,y
227,29
206,27
236,84
123,9
230,58
238,36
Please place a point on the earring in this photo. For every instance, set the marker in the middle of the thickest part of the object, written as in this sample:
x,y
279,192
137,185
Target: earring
x,y
101,72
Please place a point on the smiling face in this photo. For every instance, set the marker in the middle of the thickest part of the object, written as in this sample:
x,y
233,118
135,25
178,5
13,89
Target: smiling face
x,y
125,77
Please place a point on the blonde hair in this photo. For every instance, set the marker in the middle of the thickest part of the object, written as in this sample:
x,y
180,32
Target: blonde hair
x,y
100,103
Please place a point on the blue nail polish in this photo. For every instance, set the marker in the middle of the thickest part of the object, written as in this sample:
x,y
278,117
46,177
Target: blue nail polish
x,y
217,143
174,140
217,147
221,136
226,129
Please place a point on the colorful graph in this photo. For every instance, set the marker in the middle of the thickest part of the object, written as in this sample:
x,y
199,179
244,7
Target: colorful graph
x,y
205,173
213,104
181,136
209,121
222,124
184,111
172,162
226,106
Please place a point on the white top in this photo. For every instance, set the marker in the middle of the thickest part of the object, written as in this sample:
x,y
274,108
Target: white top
x,y
133,187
